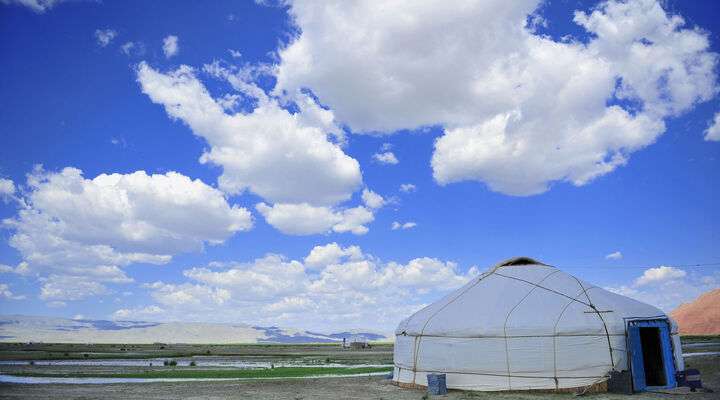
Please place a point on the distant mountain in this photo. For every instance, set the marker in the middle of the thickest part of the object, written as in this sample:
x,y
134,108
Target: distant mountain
x,y
700,317
22,328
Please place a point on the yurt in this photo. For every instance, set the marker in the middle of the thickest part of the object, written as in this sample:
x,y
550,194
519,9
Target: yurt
x,y
524,325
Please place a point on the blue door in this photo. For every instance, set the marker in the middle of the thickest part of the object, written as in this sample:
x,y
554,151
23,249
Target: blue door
x,y
651,356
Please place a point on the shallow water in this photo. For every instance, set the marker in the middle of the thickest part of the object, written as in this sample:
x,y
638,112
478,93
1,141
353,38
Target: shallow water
x,y
183,363
104,381
703,344
701,353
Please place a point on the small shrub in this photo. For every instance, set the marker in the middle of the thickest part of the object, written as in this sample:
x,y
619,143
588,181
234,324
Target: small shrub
x,y
169,363
207,351
32,363
86,355
192,363
327,360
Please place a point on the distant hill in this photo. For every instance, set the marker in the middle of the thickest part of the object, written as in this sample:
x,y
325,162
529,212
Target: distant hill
x,y
22,328
700,317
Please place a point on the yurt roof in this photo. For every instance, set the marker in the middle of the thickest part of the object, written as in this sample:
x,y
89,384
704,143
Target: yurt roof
x,y
523,296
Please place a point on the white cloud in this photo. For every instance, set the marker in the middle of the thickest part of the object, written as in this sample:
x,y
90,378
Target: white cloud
x,y
519,110
138,313
399,225
659,275
408,188
372,199
712,133
283,157
234,53
56,304
7,188
76,229
170,46
614,256
337,286
4,269
386,158
39,6
187,294
264,278
104,36
306,219
6,293
133,48
62,287
332,253
668,287
228,101
427,274
354,220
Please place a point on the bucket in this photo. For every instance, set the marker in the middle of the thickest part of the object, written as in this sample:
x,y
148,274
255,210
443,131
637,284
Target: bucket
x,y
436,384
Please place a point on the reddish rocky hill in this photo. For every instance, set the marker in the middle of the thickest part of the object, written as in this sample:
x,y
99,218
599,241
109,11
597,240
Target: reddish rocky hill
x,y
700,317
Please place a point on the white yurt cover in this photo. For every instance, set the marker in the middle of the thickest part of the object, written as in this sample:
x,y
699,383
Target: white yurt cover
x,y
522,325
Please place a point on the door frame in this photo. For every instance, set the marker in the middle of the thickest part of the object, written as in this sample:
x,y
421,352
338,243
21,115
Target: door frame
x,y
635,356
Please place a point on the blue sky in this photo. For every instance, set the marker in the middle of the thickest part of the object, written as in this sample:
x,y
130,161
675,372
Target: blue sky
x,y
264,132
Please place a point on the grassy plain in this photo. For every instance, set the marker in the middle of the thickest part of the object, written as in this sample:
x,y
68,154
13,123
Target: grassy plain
x,y
316,358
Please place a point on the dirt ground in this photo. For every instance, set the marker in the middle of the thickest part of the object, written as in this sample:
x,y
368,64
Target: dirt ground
x,y
326,388
334,388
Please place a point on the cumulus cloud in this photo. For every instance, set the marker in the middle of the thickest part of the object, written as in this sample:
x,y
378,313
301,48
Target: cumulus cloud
x,y
306,219
372,199
39,6
74,229
104,36
387,157
616,255
187,294
6,293
333,287
332,253
281,156
264,278
668,287
388,71
63,287
149,312
712,133
402,225
659,275
170,46
7,188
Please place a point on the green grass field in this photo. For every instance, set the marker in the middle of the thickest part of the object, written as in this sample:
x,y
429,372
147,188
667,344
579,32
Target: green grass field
x,y
380,352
